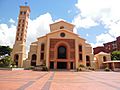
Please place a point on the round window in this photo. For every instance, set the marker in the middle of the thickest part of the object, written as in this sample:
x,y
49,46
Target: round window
x,y
62,34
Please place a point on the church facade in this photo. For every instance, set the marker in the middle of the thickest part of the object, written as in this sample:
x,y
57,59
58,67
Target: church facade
x,y
59,49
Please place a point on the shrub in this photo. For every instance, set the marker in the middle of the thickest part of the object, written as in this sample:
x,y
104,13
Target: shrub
x,y
81,65
81,68
44,68
106,69
115,55
13,63
30,68
14,66
91,68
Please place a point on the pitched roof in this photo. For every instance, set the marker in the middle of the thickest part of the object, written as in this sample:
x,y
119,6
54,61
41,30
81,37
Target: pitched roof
x,y
63,22
60,31
103,53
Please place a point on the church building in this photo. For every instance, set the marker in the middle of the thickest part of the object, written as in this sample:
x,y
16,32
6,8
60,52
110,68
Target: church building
x,y
59,49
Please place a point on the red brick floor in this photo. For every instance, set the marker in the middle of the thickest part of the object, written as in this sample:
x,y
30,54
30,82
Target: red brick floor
x,y
59,80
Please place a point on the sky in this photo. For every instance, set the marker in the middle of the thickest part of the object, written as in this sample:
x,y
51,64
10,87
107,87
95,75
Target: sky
x,y
97,21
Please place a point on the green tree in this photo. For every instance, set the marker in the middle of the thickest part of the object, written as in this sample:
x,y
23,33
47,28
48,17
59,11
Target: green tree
x,y
115,55
6,61
5,50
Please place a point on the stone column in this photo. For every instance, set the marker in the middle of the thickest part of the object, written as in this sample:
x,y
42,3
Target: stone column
x,y
47,53
76,54
38,54
113,66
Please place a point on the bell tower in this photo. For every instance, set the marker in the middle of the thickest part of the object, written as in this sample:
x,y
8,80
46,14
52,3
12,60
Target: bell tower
x,y
19,51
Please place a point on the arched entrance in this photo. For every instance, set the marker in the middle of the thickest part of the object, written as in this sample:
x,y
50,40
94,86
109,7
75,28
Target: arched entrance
x,y
33,60
87,60
16,58
62,55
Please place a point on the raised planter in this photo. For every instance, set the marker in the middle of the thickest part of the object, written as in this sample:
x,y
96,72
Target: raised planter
x,y
38,68
12,69
17,69
117,70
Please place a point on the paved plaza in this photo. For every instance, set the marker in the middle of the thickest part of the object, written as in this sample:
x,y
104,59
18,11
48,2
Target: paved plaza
x,y
59,80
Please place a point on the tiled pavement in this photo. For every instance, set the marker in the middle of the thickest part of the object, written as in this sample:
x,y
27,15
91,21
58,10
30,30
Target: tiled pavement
x,y
59,80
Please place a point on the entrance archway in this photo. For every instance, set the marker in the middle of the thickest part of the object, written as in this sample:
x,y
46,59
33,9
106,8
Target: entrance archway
x,y
33,60
16,58
61,56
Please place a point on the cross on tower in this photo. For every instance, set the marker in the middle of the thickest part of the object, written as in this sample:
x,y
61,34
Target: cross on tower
x,y
26,3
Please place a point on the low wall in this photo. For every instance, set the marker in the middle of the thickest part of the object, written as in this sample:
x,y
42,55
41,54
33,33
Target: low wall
x,y
12,69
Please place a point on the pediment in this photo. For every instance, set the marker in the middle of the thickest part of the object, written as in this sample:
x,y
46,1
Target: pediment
x,y
61,25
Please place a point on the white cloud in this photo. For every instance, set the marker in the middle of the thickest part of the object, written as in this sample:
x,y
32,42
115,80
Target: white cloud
x,y
7,34
95,12
85,22
104,37
96,44
87,34
11,21
36,28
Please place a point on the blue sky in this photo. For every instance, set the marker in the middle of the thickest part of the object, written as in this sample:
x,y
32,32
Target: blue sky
x,y
96,21
57,8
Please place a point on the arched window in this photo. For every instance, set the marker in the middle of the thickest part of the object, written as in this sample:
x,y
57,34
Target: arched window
x,y
80,48
61,27
42,47
62,52
34,57
16,57
87,60
104,59
42,56
33,60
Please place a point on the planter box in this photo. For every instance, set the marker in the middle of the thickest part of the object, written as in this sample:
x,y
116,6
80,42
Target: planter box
x,y
17,69
12,69
38,68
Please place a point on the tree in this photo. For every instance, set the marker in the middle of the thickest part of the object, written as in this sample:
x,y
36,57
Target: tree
x,y
115,55
5,50
6,61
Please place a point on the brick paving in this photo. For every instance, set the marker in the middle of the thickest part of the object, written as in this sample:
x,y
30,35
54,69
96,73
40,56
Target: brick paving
x,y
58,80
